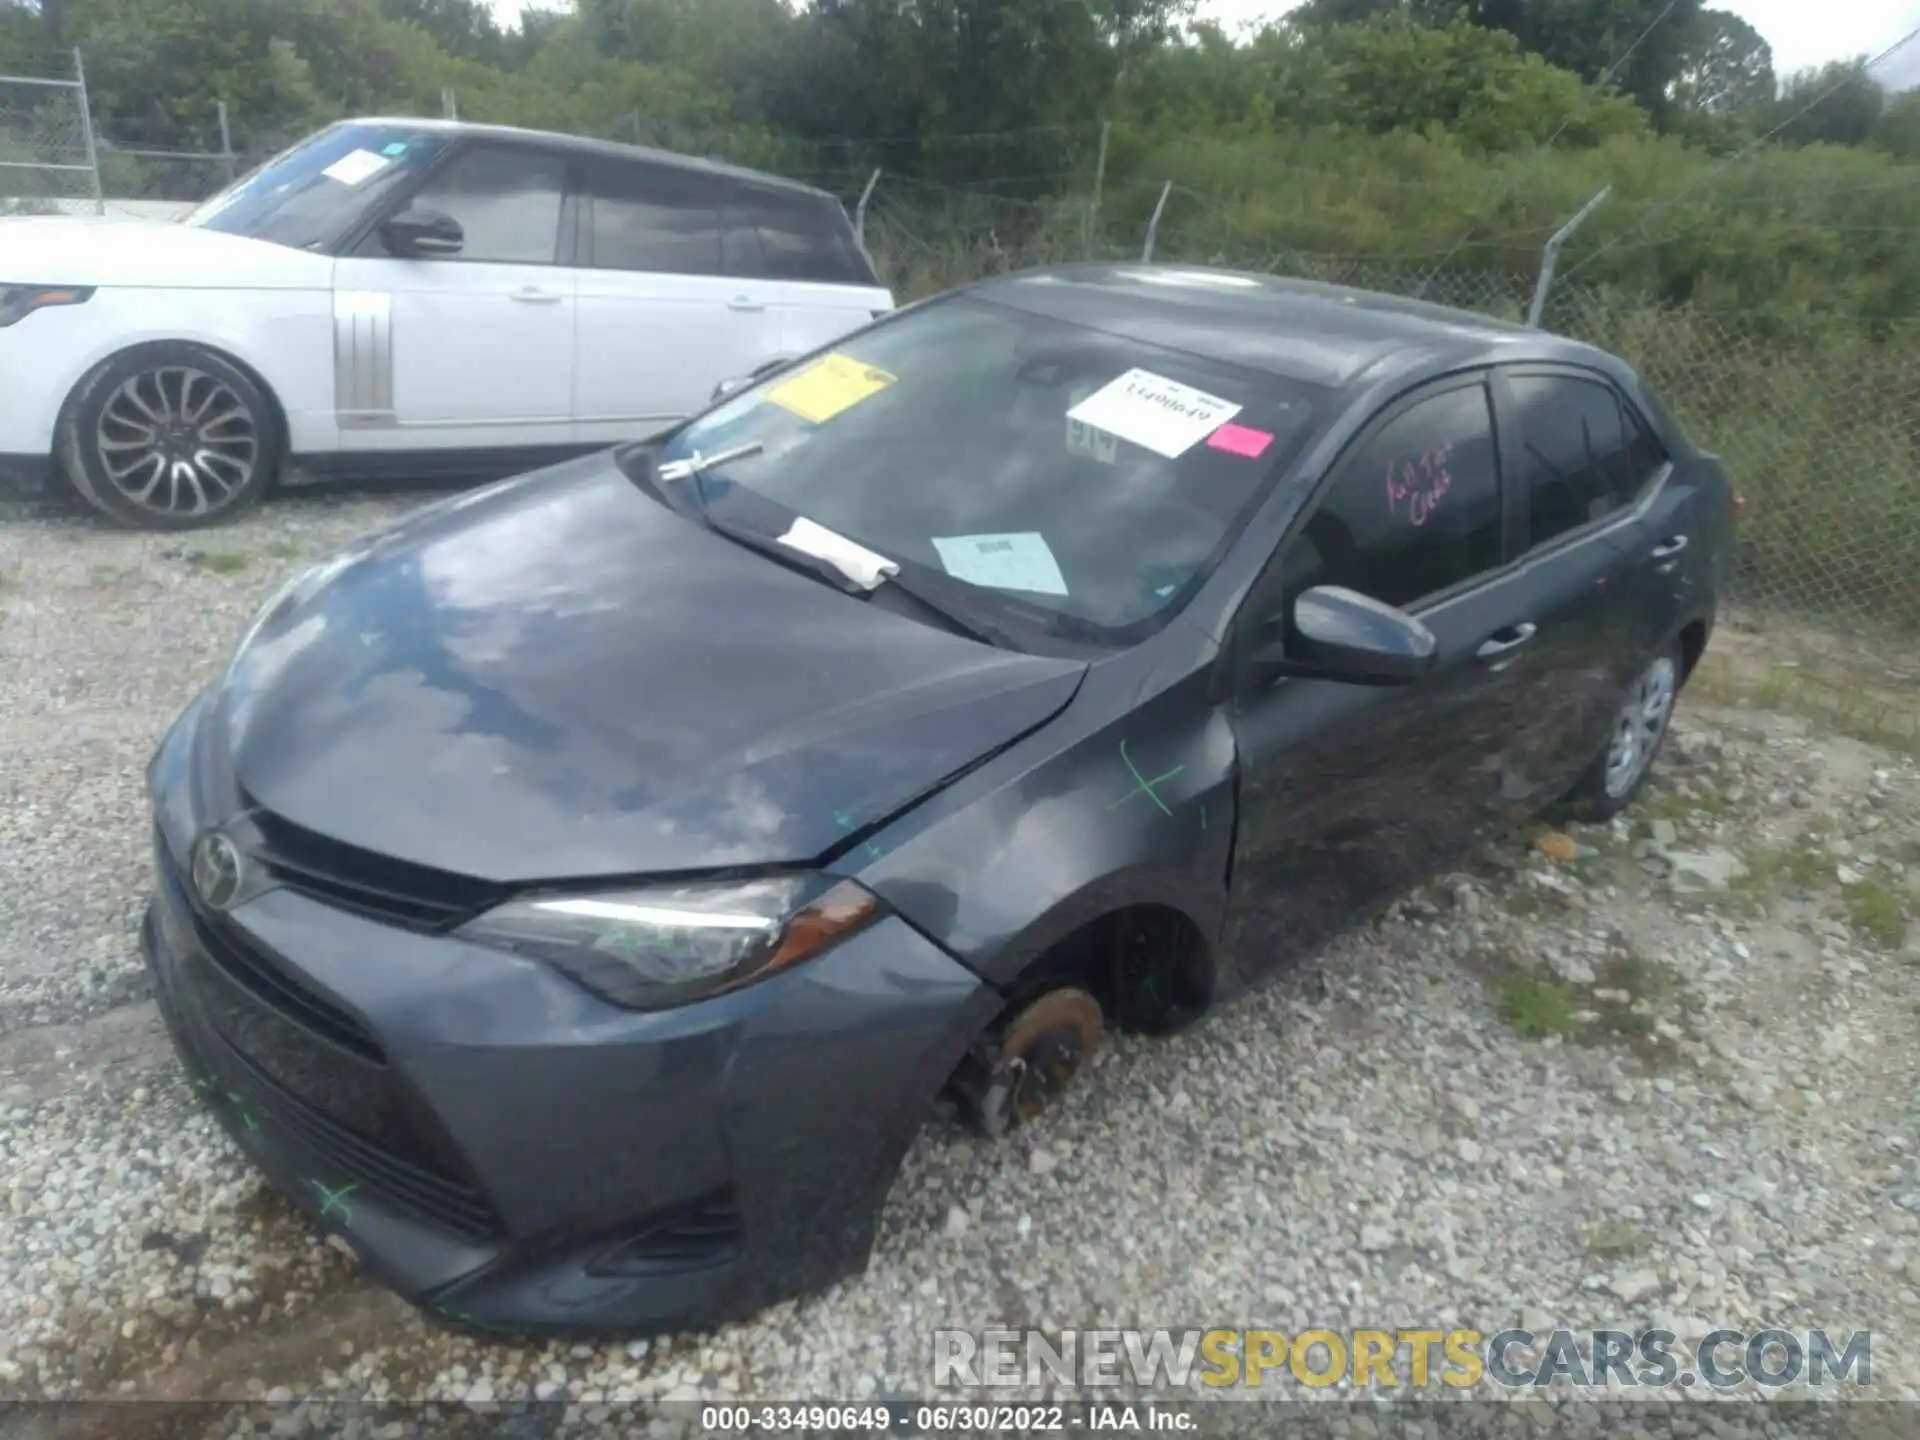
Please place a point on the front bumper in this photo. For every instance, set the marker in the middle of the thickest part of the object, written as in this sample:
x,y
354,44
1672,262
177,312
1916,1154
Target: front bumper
x,y
510,1153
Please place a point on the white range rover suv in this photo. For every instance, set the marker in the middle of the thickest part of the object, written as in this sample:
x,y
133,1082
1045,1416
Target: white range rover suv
x,y
404,299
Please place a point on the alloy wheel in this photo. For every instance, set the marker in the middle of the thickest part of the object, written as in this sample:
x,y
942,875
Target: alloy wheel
x,y
1641,723
176,441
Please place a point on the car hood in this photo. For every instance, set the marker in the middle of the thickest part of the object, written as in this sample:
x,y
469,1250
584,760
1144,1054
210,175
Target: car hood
x,y
558,677
111,250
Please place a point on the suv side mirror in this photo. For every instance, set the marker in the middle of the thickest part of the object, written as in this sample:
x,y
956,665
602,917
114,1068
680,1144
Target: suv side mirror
x,y
1338,634
422,233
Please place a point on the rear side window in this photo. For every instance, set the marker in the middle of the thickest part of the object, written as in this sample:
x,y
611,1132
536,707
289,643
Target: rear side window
x,y
1583,456
791,235
1414,510
654,218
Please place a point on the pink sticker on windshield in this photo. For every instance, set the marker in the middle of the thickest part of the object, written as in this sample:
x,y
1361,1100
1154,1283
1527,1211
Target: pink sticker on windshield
x,y
1239,440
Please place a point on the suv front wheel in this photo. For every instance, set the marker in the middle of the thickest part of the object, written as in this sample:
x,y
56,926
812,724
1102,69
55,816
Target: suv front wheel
x,y
169,437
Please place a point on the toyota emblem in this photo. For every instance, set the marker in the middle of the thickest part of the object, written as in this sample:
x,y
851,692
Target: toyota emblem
x,y
216,870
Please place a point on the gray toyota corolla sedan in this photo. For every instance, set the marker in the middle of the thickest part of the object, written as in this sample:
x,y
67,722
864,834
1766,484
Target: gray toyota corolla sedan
x,y
576,896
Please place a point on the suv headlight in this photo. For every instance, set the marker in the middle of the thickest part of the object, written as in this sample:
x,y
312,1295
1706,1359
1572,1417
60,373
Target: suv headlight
x,y
19,301
659,947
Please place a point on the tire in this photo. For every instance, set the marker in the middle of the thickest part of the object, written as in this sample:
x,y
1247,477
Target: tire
x,y
170,437
1634,740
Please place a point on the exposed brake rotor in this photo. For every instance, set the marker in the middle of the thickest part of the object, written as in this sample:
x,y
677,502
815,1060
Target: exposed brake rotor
x,y
1036,1058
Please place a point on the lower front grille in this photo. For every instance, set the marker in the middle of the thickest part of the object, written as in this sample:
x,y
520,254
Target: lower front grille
x,y
315,1070
410,1189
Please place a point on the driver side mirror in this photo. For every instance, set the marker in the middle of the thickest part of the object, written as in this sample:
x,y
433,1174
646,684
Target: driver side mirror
x,y
1338,634
422,234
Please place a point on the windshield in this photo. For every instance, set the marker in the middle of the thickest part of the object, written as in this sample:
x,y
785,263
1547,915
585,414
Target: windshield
x,y
1078,479
313,194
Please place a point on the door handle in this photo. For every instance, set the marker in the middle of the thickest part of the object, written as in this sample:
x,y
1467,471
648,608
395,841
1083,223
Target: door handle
x,y
1667,553
1503,647
746,303
533,295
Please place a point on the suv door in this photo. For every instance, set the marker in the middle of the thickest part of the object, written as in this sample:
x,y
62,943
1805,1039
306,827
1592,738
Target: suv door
x,y
471,349
661,323
1579,467
800,249
1350,793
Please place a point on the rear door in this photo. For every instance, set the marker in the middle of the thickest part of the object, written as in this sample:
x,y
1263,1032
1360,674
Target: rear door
x,y
800,249
1350,793
1580,469
661,323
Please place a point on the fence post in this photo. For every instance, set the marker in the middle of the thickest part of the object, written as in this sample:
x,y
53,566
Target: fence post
x,y
1550,257
226,144
1153,225
449,107
1099,186
860,215
86,128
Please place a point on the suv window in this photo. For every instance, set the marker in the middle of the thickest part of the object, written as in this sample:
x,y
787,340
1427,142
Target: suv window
x,y
651,217
773,235
506,200
1582,454
1414,510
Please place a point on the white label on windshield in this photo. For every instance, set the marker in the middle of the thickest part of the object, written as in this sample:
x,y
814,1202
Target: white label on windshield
x,y
356,167
1003,562
865,568
1163,415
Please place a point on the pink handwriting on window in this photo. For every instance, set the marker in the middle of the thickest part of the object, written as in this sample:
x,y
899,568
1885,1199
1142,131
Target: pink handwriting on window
x,y
1416,487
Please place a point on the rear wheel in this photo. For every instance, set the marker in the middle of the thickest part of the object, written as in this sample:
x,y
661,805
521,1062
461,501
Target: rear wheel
x,y
1639,730
170,437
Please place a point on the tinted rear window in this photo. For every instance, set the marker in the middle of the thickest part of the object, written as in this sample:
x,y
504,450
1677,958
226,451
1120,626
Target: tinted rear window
x,y
780,235
646,217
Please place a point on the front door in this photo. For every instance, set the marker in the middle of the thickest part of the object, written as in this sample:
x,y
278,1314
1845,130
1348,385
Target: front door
x,y
468,351
1349,793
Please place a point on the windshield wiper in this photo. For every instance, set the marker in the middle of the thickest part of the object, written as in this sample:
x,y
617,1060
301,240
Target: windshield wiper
x,y
964,622
697,464
849,574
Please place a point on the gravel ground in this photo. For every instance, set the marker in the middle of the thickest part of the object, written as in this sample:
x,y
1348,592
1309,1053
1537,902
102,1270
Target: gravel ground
x,y
1659,1071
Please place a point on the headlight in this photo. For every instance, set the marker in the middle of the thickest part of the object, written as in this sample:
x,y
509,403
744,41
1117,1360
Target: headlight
x,y
19,301
655,948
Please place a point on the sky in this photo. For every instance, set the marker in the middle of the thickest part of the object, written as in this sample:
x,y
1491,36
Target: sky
x,y
1802,32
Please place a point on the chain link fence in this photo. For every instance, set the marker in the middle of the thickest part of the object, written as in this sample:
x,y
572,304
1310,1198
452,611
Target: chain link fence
x,y
46,143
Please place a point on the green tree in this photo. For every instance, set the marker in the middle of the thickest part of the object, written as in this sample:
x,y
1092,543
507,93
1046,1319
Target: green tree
x,y
1838,104
1595,39
1725,66
1898,129
460,27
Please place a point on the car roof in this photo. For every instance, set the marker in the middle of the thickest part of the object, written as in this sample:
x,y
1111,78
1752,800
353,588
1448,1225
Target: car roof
x,y
610,149
1329,335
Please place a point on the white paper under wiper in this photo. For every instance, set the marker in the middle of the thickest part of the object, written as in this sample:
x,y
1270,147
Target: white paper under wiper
x,y
861,566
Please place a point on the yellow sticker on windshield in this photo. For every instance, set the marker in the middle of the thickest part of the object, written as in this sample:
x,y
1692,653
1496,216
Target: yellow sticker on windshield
x,y
828,386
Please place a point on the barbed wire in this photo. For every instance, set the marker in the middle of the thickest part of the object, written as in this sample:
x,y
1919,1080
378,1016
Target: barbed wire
x,y
1752,146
